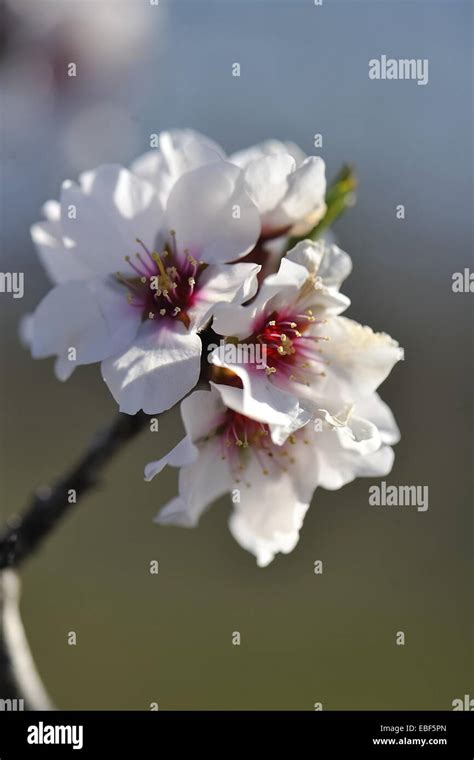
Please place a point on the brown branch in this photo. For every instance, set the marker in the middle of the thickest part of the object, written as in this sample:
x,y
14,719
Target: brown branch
x,y
22,534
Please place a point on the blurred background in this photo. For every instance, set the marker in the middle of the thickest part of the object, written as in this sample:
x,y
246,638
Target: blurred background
x,y
306,638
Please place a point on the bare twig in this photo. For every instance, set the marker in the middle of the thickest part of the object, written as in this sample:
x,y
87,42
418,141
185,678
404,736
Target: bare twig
x,y
20,685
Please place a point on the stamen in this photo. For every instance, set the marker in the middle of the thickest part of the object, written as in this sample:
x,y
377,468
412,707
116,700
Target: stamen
x,y
134,267
144,264
140,242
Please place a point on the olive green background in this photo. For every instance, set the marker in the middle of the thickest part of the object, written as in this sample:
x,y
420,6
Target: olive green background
x,y
305,638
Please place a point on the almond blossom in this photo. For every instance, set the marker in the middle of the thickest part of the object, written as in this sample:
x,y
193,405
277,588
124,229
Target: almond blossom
x,y
270,470
136,278
314,357
287,187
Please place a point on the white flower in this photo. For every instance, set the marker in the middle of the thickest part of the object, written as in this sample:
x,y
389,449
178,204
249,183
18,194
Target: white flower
x,y
270,472
288,188
139,312
313,356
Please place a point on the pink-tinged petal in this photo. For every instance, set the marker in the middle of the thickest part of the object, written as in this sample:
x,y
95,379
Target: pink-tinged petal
x,y
160,367
281,426
234,283
212,213
112,207
92,317
279,289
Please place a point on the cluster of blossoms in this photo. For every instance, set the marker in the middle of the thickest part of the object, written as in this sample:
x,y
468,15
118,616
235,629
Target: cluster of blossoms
x,y
157,261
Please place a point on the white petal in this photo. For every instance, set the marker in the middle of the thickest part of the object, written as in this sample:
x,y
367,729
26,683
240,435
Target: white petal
x,y
356,433
359,359
234,283
160,368
200,484
201,412
92,317
377,411
335,266
267,180
307,253
243,158
328,262
212,214
184,453
113,208
261,400
307,188
270,513
61,264
52,210
340,464
305,195
180,151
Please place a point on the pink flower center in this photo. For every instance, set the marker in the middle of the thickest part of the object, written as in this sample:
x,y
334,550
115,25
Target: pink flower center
x,y
163,285
291,353
241,438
